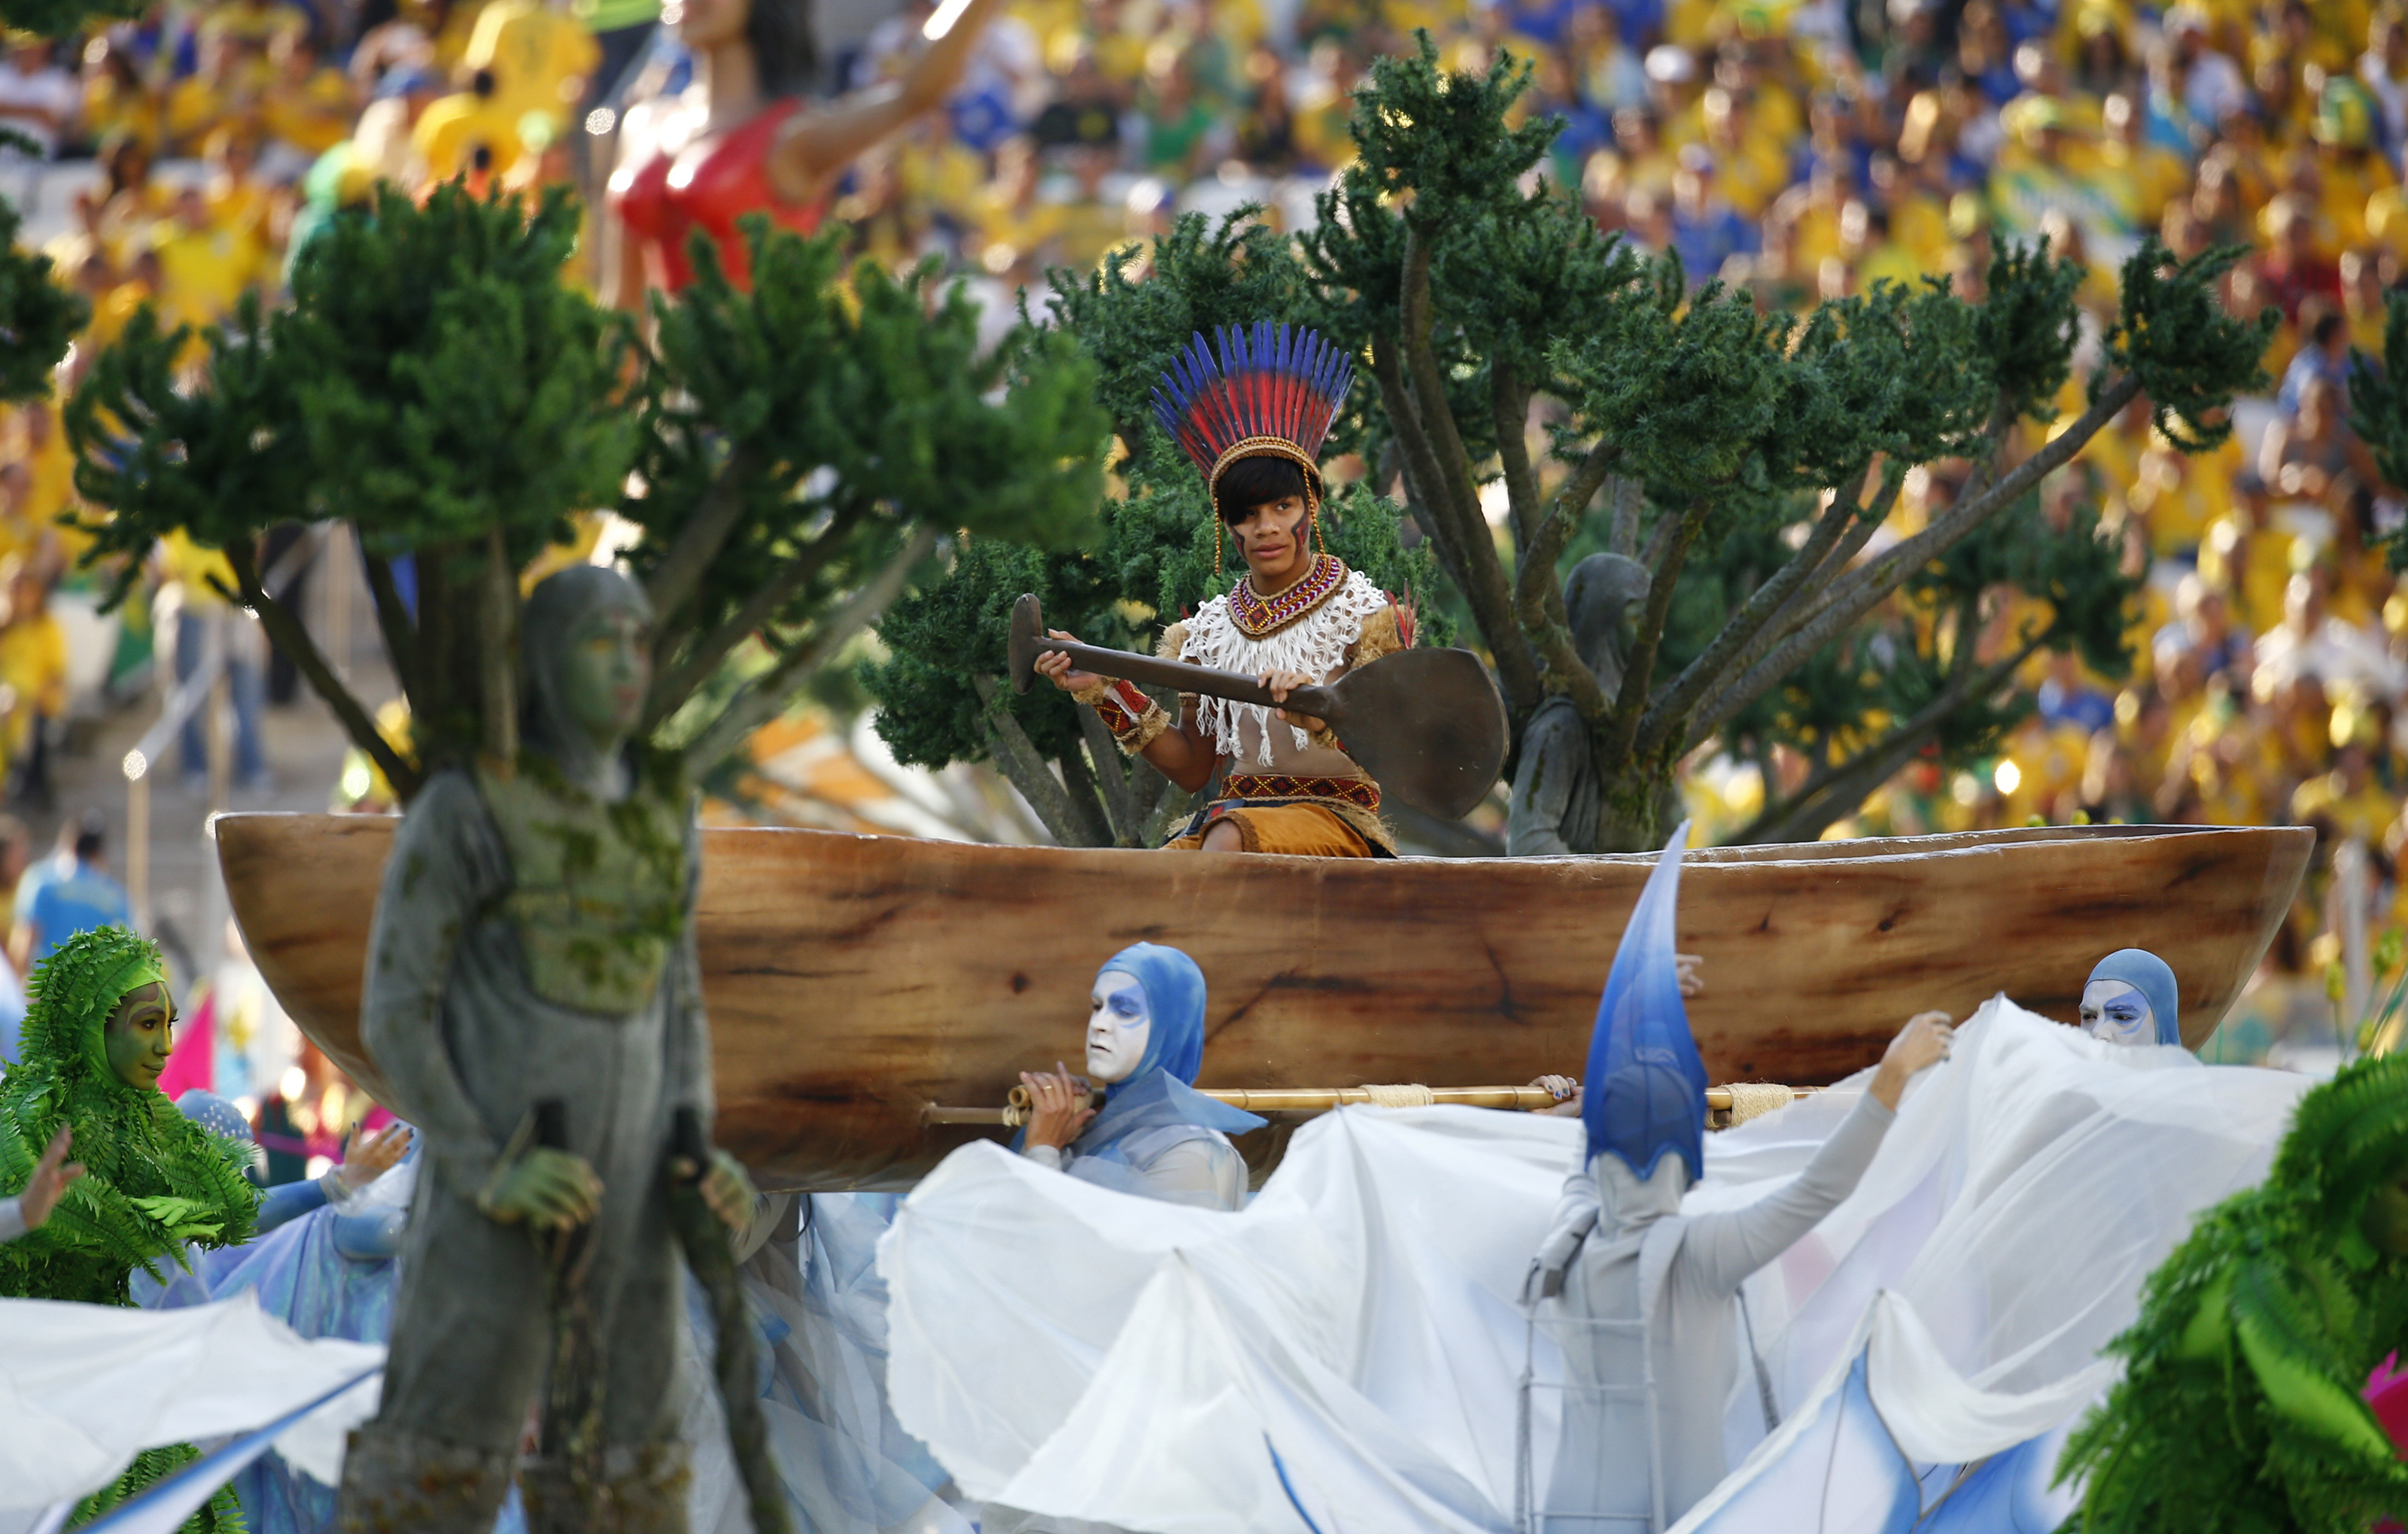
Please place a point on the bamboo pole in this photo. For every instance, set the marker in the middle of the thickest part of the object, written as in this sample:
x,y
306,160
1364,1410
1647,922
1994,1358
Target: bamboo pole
x,y
1302,1100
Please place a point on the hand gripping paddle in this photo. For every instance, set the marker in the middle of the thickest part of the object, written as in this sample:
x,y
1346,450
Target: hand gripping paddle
x,y
1428,725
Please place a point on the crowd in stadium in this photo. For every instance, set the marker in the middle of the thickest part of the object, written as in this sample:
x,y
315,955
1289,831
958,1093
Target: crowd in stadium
x,y
1802,150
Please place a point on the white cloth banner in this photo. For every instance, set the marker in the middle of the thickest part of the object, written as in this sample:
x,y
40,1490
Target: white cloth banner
x,y
84,1388
1352,1341
1078,1351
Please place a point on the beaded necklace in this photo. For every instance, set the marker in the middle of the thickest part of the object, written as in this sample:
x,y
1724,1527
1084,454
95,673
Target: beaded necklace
x,y
1258,617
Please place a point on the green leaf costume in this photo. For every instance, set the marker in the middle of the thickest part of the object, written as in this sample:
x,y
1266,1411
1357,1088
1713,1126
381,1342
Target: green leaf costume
x,y
2241,1409
154,1182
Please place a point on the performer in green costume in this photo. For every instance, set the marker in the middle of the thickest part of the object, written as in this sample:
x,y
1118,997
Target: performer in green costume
x,y
2240,1409
98,1030
532,945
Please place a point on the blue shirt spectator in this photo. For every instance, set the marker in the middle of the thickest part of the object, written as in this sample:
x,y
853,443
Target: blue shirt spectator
x,y
2324,356
75,894
2064,703
1706,230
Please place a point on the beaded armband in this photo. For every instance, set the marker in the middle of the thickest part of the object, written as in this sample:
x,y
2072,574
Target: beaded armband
x,y
1134,719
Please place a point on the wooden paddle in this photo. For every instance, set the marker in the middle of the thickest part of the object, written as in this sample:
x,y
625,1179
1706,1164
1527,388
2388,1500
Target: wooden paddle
x,y
1428,725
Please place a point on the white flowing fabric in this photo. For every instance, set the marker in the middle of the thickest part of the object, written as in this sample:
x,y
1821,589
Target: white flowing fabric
x,y
1351,1341
1078,1351
1998,1244
84,1388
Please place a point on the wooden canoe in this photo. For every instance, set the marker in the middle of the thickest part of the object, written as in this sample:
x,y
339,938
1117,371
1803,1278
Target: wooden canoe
x,y
853,981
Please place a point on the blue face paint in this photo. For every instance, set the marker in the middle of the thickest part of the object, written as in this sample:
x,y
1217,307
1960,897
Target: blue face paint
x,y
1120,1026
1173,999
2153,993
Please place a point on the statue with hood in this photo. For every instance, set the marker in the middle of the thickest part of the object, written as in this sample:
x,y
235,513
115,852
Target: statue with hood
x,y
99,1026
533,998
1556,793
1640,1296
1156,1134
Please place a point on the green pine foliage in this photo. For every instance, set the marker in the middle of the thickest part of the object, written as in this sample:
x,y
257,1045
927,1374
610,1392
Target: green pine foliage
x,y
794,456
154,1182
2378,407
844,422
64,19
38,316
2239,1406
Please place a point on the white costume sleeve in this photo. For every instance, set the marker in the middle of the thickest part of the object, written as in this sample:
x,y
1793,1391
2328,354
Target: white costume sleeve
x,y
1719,1251
13,1220
1207,1173
1044,1156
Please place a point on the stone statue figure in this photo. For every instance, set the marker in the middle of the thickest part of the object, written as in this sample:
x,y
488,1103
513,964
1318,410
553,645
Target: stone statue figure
x,y
534,1001
1555,790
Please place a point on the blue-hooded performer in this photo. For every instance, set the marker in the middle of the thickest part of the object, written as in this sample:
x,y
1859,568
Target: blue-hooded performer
x,y
1156,1134
1639,1295
2131,998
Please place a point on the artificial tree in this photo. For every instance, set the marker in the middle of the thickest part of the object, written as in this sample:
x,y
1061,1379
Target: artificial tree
x,y
1682,423
792,454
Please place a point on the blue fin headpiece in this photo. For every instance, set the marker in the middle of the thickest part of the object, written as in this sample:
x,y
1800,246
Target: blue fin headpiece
x,y
1646,1096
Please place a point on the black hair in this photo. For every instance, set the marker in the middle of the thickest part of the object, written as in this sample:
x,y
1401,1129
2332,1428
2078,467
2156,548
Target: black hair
x,y
785,50
481,84
1258,479
91,834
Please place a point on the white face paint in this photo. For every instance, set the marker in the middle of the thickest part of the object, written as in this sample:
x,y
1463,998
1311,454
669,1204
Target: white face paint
x,y
1117,1028
2116,1011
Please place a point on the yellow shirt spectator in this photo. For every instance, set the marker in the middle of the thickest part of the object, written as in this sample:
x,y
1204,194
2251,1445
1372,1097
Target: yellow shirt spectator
x,y
115,103
50,464
33,665
310,107
190,567
2362,810
204,265
539,57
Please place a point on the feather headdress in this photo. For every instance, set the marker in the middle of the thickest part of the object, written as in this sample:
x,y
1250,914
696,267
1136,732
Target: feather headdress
x,y
1270,390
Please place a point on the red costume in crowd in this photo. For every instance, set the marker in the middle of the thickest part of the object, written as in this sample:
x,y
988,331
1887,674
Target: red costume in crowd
x,y
708,186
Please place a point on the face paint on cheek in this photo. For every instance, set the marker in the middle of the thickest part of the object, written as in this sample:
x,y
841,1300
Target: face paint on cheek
x,y
2117,1012
1117,1030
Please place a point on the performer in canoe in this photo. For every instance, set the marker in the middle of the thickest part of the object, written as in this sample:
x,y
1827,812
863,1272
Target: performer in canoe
x,y
1156,1135
1253,419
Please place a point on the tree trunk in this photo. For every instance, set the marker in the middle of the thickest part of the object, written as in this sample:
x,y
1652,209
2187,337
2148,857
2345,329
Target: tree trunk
x,y
1638,808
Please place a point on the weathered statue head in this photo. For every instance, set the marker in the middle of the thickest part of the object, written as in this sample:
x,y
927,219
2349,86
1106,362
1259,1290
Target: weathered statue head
x,y
2131,998
98,1008
585,647
1596,595
1147,1012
